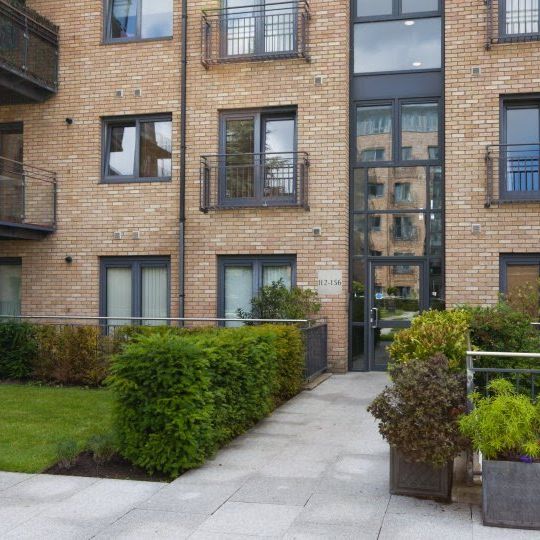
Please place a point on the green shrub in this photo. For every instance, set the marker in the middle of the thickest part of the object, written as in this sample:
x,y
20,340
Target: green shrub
x,y
431,333
18,347
505,425
71,355
418,414
164,406
67,451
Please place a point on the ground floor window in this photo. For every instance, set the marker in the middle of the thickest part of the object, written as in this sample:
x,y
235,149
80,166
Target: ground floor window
x,y
241,278
10,286
135,287
520,277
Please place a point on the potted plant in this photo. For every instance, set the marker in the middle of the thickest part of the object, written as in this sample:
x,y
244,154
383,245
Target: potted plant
x,y
418,417
505,428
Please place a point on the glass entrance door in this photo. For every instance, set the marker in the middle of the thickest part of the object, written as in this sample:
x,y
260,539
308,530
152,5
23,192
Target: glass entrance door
x,y
396,296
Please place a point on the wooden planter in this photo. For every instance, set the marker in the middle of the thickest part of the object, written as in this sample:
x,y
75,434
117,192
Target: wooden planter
x,y
511,494
420,479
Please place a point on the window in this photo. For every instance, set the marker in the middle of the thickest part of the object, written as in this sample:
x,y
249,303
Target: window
x,y
260,157
403,268
402,192
135,287
400,45
11,180
255,28
520,153
404,292
375,223
10,287
129,20
520,17
376,8
520,275
375,190
399,130
241,278
137,149
404,229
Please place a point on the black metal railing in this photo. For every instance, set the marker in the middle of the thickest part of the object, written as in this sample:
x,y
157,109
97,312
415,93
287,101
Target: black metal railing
x,y
511,21
254,180
28,44
316,343
257,32
513,173
27,195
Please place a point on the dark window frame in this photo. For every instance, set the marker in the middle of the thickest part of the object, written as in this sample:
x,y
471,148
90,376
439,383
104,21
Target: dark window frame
x,y
518,259
397,13
110,122
107,26
515,102
136,264
256,262
397,136
260,117
504,36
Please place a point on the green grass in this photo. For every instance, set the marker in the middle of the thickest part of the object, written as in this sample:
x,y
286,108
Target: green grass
x,y
34,419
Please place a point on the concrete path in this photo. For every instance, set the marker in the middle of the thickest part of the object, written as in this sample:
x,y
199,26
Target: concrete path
x,y
316,468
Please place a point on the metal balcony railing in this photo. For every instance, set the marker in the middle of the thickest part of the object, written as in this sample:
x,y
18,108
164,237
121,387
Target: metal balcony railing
x,y
510,21
254,180
27,196
512,173
256,32
28,50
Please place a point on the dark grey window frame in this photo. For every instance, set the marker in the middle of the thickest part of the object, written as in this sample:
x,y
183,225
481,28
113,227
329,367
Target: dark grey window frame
x,y
256,262
397,13
509,259
111,121
136,264
107,27
503,36
396,146
260,116
515,102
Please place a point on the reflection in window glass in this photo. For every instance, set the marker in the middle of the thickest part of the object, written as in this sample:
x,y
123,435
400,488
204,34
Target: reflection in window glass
x,y
419,6
156,150
156,18
155,294
397,233
275,274
436,235
358,290
122,150
405,186
359,360
436,187
405,45
419,130
358,235
375,190
238,291
10,289
119,287
239,148
124,19
402,192
404,229
360,176
369,8
374,133
520,277
436,290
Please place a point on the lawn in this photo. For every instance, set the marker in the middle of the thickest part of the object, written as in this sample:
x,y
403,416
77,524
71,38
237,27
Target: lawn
x,y
34,419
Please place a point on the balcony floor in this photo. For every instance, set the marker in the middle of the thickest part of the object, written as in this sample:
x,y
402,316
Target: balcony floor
x,y
16,231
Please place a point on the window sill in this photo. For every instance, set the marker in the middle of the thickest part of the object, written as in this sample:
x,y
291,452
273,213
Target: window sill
x,y
134,180
134,40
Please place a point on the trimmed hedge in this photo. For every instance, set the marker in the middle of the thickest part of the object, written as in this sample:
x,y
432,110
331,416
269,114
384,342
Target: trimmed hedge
x,y
180,396
18,347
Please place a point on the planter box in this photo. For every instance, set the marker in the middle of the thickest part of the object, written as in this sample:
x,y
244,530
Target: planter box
x,y
419,479
511,494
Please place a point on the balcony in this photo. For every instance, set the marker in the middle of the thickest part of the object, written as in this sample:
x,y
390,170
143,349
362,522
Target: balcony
x,y
256,32
512,21
254,180
28,55
512,173
27,201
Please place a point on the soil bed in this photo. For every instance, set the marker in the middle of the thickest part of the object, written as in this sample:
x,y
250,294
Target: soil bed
x,y
117,468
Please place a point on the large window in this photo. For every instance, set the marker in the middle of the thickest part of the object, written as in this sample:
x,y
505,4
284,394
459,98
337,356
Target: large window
x,y
135,287
398,131
259,149
520,276
519,17
137,149
10,287
241,278
129,20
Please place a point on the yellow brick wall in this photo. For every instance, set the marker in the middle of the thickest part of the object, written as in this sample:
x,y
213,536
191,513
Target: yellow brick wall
x,y
89,213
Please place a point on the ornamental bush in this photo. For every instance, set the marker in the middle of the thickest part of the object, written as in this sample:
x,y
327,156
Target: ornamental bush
x,y
182,395
18,346
431,333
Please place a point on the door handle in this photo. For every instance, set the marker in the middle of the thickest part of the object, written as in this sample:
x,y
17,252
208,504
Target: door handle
x,y
374,318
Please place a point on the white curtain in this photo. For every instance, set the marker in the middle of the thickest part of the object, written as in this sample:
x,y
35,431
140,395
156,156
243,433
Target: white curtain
x,y
238,291
154,295
10,289
119,295
272,274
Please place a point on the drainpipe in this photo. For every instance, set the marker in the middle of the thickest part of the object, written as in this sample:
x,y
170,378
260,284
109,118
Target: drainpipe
x,y
183,124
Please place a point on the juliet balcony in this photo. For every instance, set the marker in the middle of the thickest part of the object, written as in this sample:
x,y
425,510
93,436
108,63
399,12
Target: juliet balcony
x,y
262,31
254,180
27,201
512,21
28,55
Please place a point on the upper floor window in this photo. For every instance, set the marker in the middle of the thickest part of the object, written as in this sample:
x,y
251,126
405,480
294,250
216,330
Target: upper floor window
x,y
519,17
378,8
137,149
130,20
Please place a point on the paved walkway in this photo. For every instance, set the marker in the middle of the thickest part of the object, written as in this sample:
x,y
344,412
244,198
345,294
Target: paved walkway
x,y
317,468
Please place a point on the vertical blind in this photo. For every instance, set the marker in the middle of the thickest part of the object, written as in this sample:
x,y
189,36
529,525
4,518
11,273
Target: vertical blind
x,y
10,289
154,295
119,288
